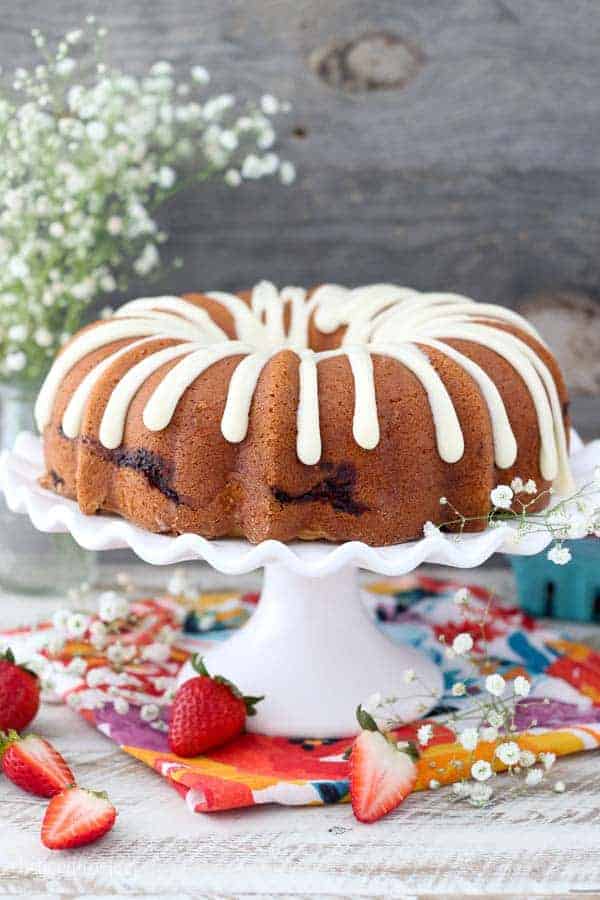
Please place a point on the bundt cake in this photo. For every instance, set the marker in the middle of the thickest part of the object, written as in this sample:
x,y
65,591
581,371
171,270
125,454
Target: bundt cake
x,y
337,414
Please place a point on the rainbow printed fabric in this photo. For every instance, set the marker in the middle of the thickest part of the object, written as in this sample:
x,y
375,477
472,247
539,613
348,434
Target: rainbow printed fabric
x,y
561,714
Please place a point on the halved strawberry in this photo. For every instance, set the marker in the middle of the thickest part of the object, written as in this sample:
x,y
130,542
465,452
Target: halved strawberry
x,y
34,765
381,774
76,817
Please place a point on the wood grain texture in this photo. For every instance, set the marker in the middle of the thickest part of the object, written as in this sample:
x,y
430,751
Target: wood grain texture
x,y
530,845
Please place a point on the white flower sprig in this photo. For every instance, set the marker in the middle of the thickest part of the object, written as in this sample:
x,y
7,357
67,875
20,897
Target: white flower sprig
x,y
89,154
488,717
574,517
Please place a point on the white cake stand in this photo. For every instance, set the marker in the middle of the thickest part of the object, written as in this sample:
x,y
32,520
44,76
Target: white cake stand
x,y
309,648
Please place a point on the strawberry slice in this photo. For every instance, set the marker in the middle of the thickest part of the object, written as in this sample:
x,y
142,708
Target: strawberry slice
x,y
76,817
34,765
381,774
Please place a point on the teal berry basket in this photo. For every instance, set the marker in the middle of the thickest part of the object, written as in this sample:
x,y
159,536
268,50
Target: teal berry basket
x,y
561,592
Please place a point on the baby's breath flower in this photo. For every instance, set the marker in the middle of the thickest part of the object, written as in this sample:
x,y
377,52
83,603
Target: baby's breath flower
x,y
43,337
77,666
121,706
287,172
17,332
252,167
156,652
119,654
269,104
424,734
95,677
98,635
461,789
461,597
200,75
560,787
488,734
56,229
65,66
481,770
409,676
430,530
60,619
15,362
480,795
149,712
502,496
468,738
534,777
166,177
530,487
547,760
462,643
495,685
459,689
148,260
526,759
372,703
559,555
508,753
495,718
521,686
108,283
77,625
161,68
232,177
112,606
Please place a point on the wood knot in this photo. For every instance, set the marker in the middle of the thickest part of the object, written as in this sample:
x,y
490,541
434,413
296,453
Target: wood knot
x,y
374,61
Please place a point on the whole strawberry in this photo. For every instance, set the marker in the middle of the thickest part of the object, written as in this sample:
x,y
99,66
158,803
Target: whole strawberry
x,y
76,817
33,764
207,712
19,694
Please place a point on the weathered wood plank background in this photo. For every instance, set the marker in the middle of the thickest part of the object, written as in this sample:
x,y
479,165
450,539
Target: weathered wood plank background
x,y
475,167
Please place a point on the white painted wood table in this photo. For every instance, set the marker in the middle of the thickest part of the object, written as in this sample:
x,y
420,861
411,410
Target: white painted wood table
x,y
532,845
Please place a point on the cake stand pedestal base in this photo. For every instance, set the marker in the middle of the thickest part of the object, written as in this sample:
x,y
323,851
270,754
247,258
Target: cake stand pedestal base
x,y
311,649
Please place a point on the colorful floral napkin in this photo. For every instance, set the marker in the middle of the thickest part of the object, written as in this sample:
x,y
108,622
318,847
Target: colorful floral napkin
x,y
129,701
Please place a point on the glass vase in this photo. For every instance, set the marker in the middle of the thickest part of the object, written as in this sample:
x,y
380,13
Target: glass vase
x,y
32,562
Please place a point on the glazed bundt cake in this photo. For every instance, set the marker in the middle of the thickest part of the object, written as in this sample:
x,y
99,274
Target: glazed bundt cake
x,y
336,414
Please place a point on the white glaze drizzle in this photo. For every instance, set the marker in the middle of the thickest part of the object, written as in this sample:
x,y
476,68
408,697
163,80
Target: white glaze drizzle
x,y
159,409
234,423
115,413
308,440
449,436
380,319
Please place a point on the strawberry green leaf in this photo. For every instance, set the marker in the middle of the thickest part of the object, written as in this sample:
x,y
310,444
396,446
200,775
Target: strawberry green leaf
x,y
365,719
251,703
